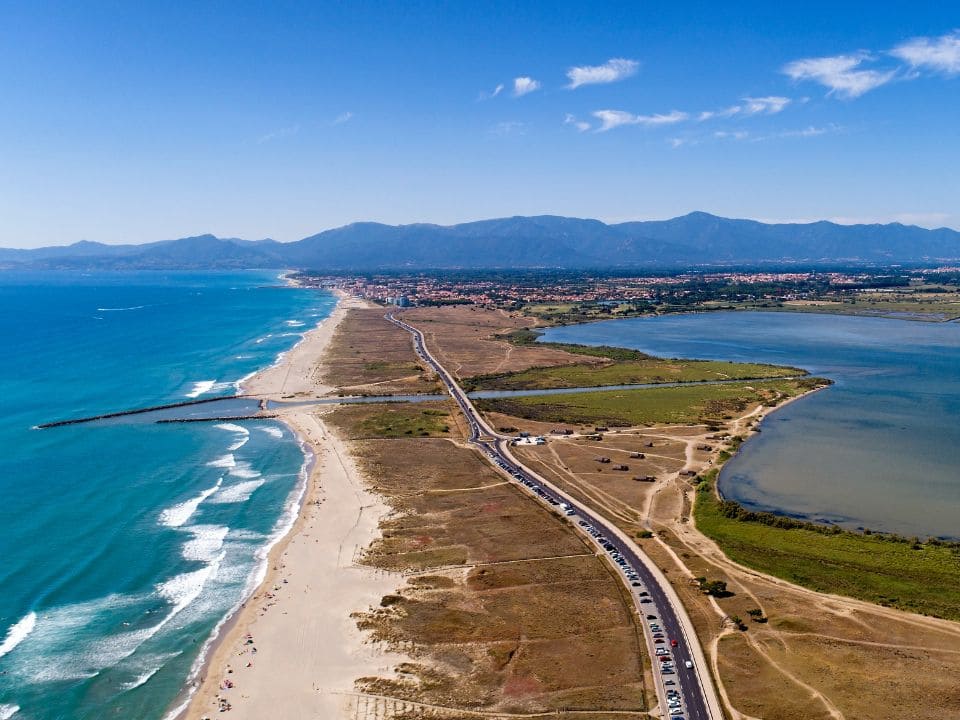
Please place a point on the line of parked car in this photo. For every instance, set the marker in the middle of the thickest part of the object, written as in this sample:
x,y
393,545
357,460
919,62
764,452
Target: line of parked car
x,y
666,663
565,508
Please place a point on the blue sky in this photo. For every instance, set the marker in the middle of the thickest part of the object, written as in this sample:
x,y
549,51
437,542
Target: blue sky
x,y
131,122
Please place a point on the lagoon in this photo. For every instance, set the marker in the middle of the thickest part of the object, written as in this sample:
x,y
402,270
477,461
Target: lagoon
x,y
878,449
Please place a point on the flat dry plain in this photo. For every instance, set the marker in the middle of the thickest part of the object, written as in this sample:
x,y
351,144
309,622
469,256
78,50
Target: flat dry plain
x,y
816,655
462,338
504,611
370,356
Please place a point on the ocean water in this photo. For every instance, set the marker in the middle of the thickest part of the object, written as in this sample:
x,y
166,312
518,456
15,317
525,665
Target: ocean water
x,y
879,449
123,546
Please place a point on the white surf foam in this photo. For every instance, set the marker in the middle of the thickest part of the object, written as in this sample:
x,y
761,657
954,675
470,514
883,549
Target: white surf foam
x,y
230,427
8,711
147,667
132,307
141,679
243,470
259,572
60,634
183,589
201,387
294,323
238,493
224,461
241,433
178,514
273,432
263,339
18,632
206,543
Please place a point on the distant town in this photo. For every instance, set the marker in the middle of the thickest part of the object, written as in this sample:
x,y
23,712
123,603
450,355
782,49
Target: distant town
x,y
559,296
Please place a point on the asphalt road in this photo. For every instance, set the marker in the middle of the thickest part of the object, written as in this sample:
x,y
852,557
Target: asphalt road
x,y
655,602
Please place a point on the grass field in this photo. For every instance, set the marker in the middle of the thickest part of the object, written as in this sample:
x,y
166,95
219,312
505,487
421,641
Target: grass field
x,y
922,578
621,408
625,372
396,420
370,355
506,609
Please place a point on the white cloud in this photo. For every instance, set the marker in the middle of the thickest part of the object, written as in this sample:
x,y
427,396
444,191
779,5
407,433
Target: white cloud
x,y
725,113
809,131
524,85
580,125
840,73
342,118
509,128
612,70
277,134
490,95
610,119
940,54
770,105
726,135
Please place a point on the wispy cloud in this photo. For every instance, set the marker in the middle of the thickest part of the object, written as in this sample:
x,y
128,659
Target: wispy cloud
x,y
941,54
524,86
580,125
613,70
841,73
770,105
492,94
809,131
508,128
278,134
342,118
610,119
735,135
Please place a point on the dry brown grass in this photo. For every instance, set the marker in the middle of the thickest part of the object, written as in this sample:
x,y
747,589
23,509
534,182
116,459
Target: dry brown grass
x,y
369,355
462,339
817,656
505,607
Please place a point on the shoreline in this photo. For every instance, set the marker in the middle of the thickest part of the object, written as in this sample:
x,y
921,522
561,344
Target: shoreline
x,y
258,662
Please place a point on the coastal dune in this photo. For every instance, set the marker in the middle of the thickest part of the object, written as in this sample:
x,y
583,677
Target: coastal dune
x,y
293,651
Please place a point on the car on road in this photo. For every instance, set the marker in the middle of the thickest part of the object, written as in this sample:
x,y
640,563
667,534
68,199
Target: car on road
x,y
688,664
673,643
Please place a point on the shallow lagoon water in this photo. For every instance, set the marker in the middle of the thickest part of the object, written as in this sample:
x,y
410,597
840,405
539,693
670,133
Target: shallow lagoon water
x,y
878,449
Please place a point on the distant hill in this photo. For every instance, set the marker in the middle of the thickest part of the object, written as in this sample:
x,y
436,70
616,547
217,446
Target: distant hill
x,y
548,241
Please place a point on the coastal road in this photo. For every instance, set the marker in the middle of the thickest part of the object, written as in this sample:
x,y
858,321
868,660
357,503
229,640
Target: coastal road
x,y
690,689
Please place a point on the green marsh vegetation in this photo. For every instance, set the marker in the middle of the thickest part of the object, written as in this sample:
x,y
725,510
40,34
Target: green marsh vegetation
x,y
891,570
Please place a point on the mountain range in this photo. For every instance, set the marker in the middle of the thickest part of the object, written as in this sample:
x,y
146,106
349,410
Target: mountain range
x,y
547,241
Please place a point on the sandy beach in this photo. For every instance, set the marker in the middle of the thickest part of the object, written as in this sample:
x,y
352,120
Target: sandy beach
x,y
293,651
297,373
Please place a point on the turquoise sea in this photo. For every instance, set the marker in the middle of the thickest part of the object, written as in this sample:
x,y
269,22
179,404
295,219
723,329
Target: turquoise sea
x,y
124,545
878,449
